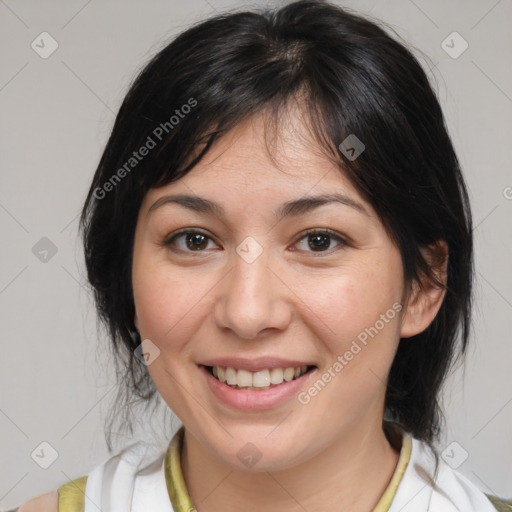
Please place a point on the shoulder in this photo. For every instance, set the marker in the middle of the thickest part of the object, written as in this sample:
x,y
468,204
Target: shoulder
x,y
122,472
466,494
48,502
430,483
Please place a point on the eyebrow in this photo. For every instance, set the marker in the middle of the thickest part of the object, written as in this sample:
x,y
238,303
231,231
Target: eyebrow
x,y
291,208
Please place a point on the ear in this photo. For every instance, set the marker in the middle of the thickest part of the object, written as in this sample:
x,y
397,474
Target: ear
x,y
427,294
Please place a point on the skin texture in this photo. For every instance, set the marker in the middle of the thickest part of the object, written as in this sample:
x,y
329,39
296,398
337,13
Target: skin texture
x,y
48,502
292,302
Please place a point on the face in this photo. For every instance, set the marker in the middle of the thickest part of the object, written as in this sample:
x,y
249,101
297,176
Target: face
x,y
267,279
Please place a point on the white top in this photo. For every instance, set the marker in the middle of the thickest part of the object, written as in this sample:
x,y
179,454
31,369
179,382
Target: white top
x,y
120,484
451,492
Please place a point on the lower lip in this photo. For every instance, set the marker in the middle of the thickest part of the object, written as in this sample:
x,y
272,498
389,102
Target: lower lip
x,y
255,400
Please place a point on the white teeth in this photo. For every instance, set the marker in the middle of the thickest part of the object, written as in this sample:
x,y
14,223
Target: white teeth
x,y
244,378
289,373
262,379
276,375
231,377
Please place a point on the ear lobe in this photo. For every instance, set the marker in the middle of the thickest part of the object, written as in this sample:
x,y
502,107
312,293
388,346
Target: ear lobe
x,y
427,295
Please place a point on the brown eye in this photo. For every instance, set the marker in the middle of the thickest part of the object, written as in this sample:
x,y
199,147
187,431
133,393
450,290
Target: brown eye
x,y
189,241
321,241
196,241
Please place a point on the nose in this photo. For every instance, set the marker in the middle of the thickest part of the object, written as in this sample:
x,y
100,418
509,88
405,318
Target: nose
x,y
253,299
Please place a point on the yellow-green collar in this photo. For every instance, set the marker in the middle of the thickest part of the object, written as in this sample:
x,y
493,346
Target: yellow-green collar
x,y
181,501
176,487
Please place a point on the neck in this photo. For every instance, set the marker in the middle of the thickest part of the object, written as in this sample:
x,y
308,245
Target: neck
x,y
352,474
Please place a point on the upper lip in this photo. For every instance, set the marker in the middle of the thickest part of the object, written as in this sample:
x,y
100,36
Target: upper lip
x,y
256,364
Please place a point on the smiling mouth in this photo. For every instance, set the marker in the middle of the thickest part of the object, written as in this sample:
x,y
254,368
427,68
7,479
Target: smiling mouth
x,y
257,381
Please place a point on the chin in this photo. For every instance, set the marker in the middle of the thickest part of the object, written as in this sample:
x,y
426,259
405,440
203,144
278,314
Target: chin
x,y
258,449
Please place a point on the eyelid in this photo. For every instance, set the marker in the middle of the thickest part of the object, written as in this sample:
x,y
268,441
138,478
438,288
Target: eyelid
x,y
190,229
326,231
167,242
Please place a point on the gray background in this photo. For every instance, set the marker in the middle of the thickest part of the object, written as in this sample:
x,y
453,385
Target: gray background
x,y
56,380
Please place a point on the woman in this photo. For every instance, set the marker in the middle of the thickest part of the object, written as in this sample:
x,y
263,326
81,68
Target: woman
x,y
278,236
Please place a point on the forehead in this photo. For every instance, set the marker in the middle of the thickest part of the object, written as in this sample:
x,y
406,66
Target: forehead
x,y
253,164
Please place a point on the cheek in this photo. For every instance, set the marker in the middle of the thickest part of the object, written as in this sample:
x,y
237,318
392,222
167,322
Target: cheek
x,y
161,299
348,303
356,316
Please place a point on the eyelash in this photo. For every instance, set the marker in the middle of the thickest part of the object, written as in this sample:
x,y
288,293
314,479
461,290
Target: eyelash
x,y
169,242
